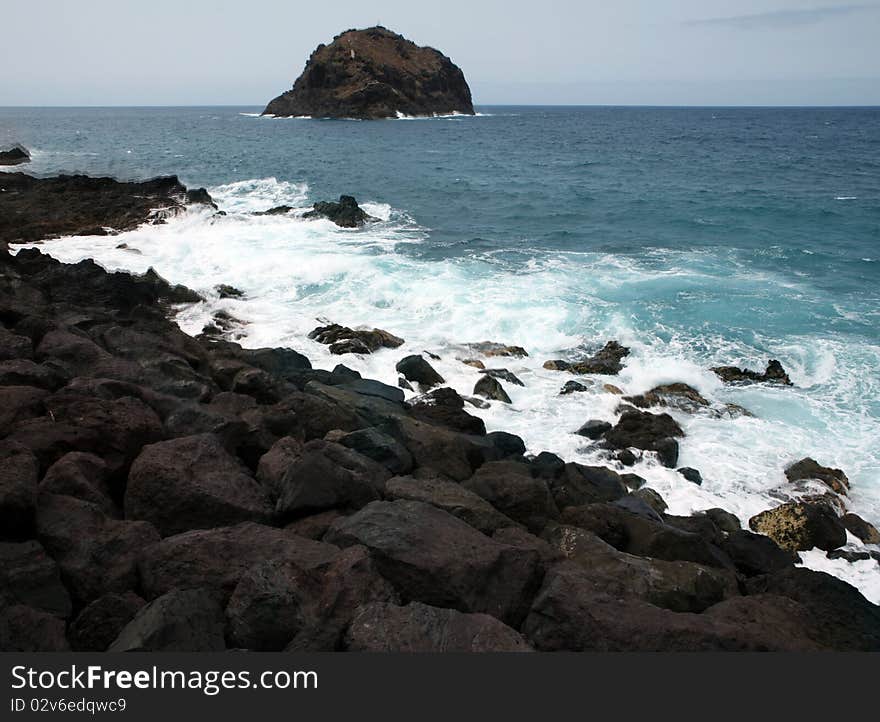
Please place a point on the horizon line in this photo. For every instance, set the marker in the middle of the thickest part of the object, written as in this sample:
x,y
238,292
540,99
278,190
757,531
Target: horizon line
x,y
476,105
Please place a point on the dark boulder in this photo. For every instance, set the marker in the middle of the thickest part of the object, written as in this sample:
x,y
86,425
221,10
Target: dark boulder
x,y
573,387
808,468
678,395
414,368
490,388
421,628
15,156
432,557
380,447
28,576
216,558
346,213
446,408
192,483
100,622
504,375
342,339
799,526
83,476
578,484
724,520
692,475
774,373
20,403
755,554
647,431
183,620
510,487
865,531
18,489
593,429
608,360
493,348
24,629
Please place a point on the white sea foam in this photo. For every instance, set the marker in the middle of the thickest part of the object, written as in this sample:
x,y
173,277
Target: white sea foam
x,y
295,271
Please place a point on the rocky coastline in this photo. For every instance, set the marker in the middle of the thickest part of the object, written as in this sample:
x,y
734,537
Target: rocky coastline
x,y
161,491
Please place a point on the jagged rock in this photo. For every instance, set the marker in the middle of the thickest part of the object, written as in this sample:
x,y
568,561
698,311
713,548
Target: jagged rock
x,y
510,487
774,373
808,468
490,388
346,213
342,339
96,554
692,475
798,526
380,447
492,348
183,620
329,476
192,483
275,211
414,368
434,558
15,156
857,526
200,196
756,554
375,73
84,476
677,395
451,497
216,558
18,489
30,578
421,628
445,407
652,499
593,429
573,387
647,431
503,374
608,360
14,346
724,520
633,482
100,622
577,484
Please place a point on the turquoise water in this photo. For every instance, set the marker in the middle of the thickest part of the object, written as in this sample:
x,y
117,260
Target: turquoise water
x,y
699,236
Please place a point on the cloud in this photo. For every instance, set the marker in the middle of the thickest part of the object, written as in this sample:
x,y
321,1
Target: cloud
x,y
783,18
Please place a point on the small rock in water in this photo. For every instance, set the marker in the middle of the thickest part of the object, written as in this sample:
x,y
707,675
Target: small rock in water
x,y
415,368
557,365
15,155
503,374
633,482
226,291
849,555
491,389
774,373
612,389
404,384
858,527
276,211
692,475
677,395
799,526
652,499
491,348
724,520
626,457
605,361
593,429
808,468
342,339
346,213
474,362
573,387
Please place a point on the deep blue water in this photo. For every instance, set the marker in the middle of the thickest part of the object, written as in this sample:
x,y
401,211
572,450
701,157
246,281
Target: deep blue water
x,y
698,235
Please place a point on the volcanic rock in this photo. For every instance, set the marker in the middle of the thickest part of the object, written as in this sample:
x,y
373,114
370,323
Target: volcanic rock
x,y
375,73
774,373
414,368
345,214
799,526
15,155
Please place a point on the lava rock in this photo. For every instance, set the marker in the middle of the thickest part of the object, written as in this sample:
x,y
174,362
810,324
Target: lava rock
x,y
692,475
808,468
490,388
445,407
100,622
342,339
798,526
677,395
18,489
774,373
510,487
755,554
608,360
503,374
414,368
15,156
647,431
28,576
573,387
346,213
858,527
593,429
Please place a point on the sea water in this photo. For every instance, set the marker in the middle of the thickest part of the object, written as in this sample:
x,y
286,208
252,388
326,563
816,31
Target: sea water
x,y
696,236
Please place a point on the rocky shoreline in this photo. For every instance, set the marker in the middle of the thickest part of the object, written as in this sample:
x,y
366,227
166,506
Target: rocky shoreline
x,y
167,492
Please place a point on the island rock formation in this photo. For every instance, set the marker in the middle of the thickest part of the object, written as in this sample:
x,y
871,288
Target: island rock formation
x,y
375,73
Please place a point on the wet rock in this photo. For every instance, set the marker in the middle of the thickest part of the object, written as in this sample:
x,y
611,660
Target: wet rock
x,y
507,445
342,339
490,388
647,431
192,483
416,369
329,476
491,349
557,365
100,622
724,520
612,389
96,554
224,290
858,527
510,487
183,620
578,484
445,407
848,555
18,489
692,475
346,213
24,629
473,362
275,211
200,196
216,558
808,468
504,375
593,429
608,360
633,482
421,628
755,554
573,387
797,526
774,373
652,499
434,558
28,576
677,395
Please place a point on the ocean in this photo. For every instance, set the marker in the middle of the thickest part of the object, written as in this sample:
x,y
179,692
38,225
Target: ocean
x,y
696,236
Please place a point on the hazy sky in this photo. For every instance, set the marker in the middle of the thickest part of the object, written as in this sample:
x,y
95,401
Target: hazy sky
x,y
180,52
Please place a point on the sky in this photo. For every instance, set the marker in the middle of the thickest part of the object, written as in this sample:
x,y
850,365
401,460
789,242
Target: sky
x,y
626,52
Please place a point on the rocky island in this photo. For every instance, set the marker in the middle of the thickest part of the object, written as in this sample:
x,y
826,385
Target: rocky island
x,y
375,73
